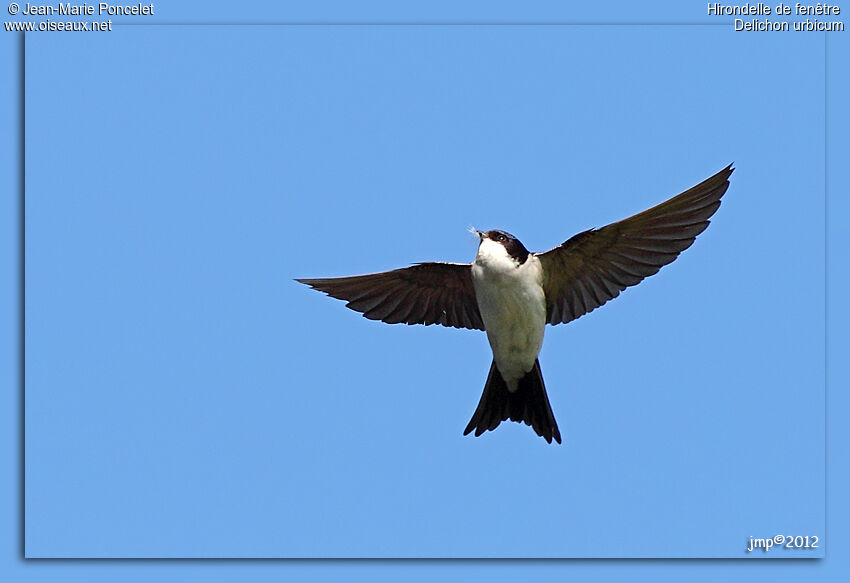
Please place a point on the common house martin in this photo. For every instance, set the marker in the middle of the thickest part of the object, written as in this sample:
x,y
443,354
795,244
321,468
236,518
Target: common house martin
x,y
512,293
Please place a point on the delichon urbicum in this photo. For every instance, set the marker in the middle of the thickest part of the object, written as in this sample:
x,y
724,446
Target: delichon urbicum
x,y
512,293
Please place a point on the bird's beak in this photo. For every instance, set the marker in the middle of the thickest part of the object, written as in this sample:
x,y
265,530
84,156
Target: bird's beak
x,y
477,233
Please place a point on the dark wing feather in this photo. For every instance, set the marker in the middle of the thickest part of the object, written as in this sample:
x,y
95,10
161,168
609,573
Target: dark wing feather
x,y
425,293
596,265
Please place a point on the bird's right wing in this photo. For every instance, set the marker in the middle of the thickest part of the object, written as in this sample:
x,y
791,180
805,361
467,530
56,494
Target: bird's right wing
x,y
425,293
595,266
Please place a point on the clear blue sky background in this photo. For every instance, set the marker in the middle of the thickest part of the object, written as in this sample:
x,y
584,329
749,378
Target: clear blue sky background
x,y
185,397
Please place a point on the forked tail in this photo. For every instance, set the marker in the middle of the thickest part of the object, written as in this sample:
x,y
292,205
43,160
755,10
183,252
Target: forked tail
x,y
529,404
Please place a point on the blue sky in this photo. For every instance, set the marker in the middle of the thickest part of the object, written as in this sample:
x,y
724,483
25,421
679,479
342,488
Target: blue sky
x,y
186,398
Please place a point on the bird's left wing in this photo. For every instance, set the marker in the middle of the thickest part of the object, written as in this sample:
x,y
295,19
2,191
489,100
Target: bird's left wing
x,y
425,293
595,266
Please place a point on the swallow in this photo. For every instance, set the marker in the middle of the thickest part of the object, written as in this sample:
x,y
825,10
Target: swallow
x,y
512,293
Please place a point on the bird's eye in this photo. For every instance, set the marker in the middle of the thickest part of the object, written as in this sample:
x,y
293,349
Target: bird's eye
x,y
502,238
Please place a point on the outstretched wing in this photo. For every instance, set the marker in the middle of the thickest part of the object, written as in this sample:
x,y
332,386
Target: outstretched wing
x,y
425,293
595,266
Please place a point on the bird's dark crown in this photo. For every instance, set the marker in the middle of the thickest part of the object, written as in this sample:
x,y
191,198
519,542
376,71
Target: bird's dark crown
x,y
512,245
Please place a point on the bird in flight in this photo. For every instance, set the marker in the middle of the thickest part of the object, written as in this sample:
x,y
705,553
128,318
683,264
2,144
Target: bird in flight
x,y
511,293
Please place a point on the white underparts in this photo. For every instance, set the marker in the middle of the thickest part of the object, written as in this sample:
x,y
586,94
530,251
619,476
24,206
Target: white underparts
x,y
513,306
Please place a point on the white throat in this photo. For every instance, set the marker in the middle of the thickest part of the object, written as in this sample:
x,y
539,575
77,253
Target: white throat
x,y
493,256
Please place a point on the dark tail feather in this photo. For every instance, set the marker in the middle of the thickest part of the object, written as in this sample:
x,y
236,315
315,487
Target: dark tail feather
x,y
529,403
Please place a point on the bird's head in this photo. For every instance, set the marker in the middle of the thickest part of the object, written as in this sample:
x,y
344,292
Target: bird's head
x,y
501,242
